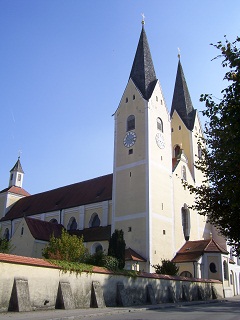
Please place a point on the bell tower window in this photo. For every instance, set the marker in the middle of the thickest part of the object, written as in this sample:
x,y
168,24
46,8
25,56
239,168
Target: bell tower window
x,y
131,122
176,151
159,124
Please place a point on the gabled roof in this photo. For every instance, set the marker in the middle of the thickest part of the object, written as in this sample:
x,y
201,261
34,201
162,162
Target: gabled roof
x,y
17,166
16,190
143,73
43,230
86,192
93,234
132,255
181,101
192,250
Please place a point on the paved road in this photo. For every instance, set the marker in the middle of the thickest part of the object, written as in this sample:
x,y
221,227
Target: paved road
x,y
215,310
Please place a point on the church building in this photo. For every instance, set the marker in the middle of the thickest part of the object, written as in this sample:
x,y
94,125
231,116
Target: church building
x,y
155,150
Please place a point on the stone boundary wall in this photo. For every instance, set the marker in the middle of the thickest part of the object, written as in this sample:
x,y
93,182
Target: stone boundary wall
x,y
31,284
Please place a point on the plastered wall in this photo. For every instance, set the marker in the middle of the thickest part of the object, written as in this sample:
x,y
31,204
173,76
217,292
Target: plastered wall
x,y
43,284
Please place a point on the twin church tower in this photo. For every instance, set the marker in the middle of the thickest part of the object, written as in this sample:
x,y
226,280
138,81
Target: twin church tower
x,y
154,150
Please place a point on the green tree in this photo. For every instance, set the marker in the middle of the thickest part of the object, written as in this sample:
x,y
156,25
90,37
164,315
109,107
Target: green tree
x,y
168,267
67,247
219,196
5,245
117,247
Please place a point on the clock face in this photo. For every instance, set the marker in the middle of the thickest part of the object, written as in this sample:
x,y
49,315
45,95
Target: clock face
x,y
130,139
160,140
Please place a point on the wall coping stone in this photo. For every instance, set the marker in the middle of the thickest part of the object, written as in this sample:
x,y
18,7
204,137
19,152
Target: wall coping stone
x,y
10,258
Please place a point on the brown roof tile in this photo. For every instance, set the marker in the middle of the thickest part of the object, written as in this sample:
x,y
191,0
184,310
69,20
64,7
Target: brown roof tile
x,y
93,234
193,250
43,230
16,190
90,191
10,258
130,254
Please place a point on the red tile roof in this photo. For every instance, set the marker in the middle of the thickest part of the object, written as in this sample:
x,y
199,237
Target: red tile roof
x,y
9,258
90,191
130,254
43,230
93,234
193,250
16,190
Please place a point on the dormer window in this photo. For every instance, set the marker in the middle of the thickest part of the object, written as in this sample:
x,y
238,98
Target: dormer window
x,y
19,177
131,122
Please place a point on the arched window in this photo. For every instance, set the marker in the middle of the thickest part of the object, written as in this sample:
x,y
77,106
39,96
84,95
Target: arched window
x,y
131,122
6,234
72,224
54,221
94,221
231,254
184,173
186,222
225,270
177,151
159,124
186,274
96,247
213,267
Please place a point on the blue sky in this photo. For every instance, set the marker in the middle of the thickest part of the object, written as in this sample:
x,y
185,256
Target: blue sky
x,y
64,65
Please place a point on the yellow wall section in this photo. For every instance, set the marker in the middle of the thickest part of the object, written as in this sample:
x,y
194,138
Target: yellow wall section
x,y
131,194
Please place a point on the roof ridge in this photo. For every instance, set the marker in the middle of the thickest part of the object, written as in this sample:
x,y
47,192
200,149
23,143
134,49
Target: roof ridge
x,y
88,191
216,244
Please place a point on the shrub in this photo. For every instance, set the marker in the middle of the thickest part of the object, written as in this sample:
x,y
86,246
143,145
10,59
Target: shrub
x,y
168,267
111,263
5,245
67,247
96,259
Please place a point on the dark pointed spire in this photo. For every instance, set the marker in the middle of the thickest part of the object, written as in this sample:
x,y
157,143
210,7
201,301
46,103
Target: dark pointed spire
x,y
181,101
17,166
143,73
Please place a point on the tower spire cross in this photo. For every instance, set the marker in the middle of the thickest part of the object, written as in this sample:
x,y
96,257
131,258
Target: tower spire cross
x,y
179,53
